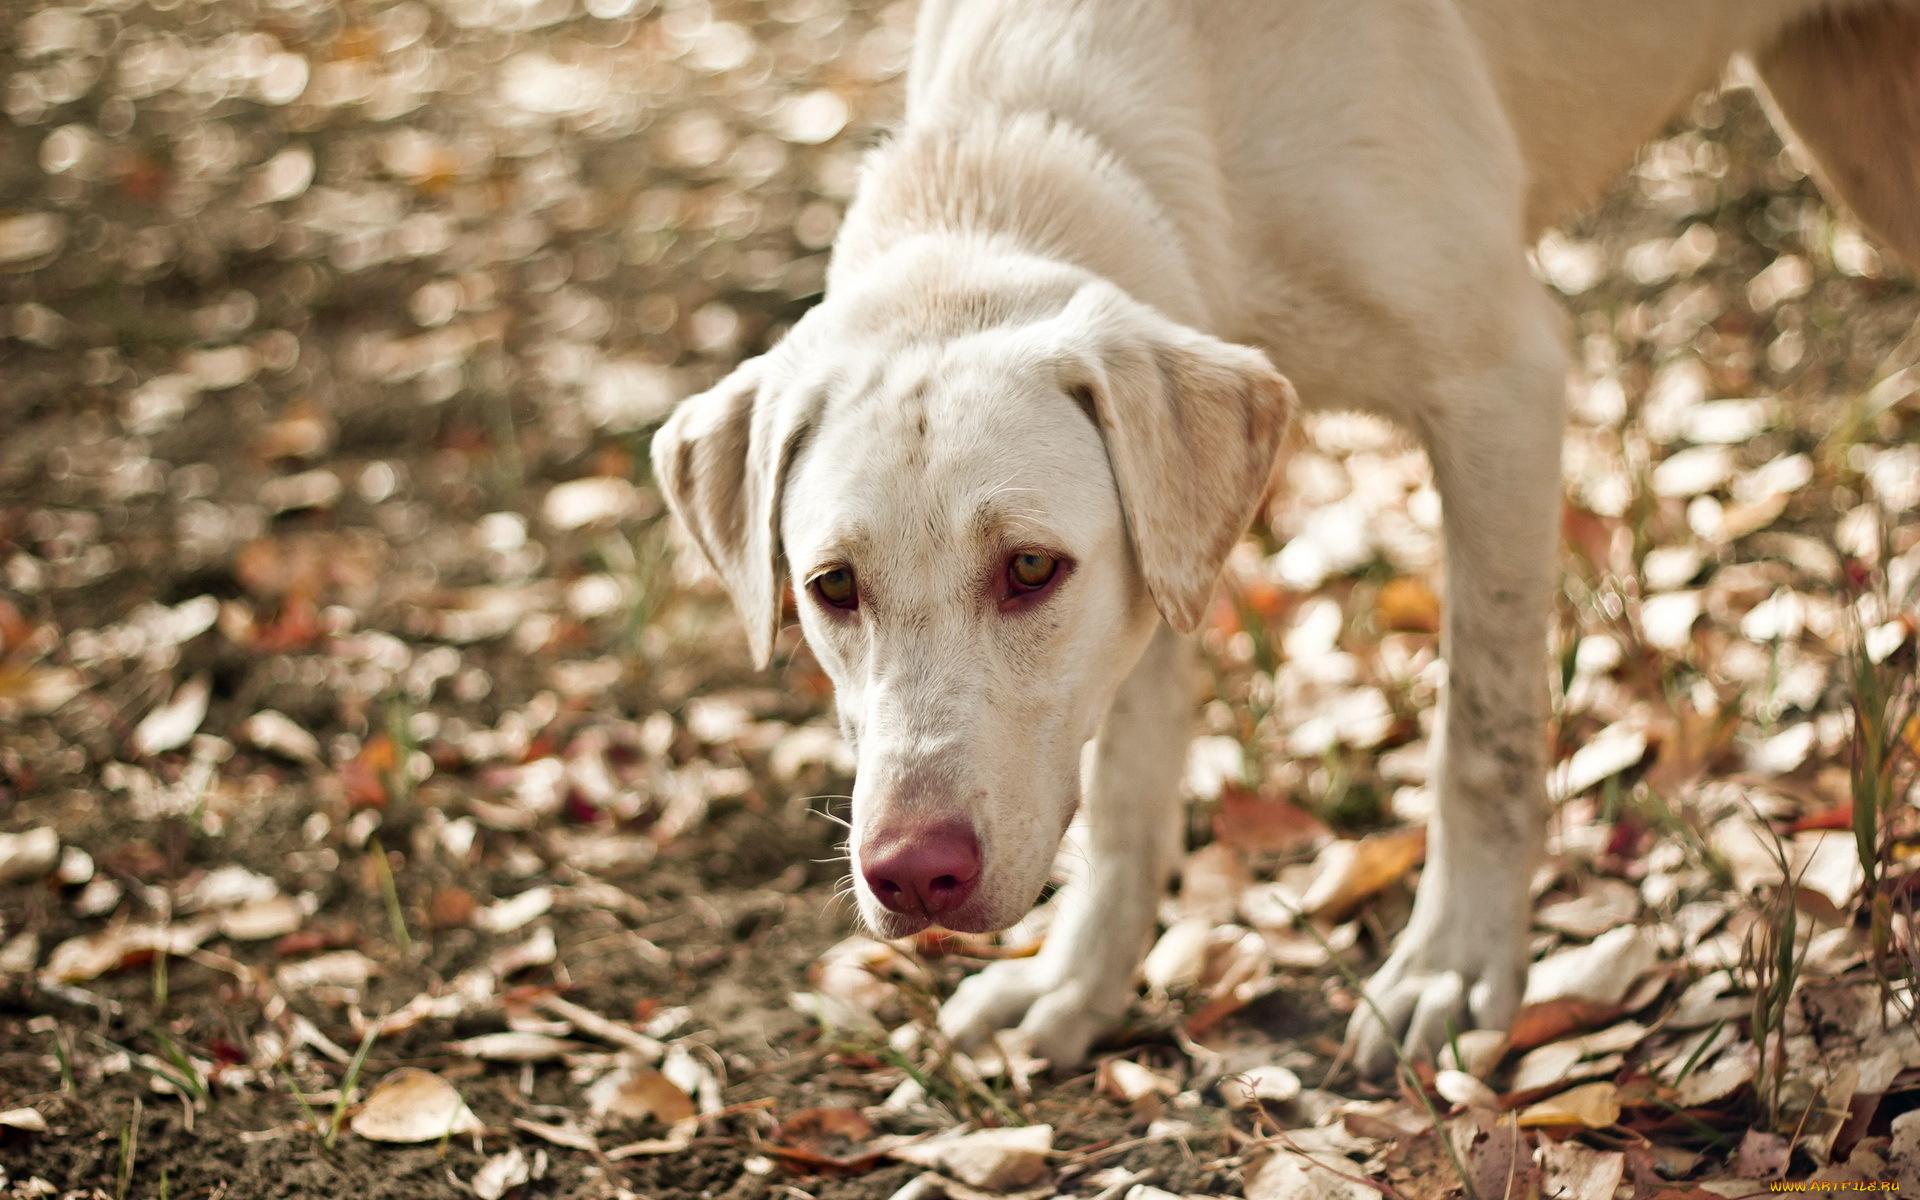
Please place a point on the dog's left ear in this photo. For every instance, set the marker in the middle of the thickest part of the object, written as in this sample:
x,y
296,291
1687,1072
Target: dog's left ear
x,y
1192,425
721,461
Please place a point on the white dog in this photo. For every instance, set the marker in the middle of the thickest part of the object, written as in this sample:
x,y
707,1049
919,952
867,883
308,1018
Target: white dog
x,y
1004,459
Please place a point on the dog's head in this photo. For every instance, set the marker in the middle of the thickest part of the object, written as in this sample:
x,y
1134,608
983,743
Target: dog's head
x,y
988,483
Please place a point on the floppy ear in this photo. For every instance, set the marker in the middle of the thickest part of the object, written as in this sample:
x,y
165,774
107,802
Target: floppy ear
x,y
721,461
1192,426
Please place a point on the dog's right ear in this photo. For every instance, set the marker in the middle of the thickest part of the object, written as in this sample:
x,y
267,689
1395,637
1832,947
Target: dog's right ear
x,y
721,461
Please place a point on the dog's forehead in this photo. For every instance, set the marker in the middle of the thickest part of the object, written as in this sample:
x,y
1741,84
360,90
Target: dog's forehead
x,y
968,441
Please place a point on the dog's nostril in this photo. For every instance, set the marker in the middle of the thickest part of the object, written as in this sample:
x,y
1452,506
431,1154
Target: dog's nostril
x,y
926,870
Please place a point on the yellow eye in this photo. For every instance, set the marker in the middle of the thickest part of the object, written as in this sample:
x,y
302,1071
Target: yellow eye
x,y
835,588
1031,571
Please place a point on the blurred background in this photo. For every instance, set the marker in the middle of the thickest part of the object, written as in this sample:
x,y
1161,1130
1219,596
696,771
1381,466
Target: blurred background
x,y
353,696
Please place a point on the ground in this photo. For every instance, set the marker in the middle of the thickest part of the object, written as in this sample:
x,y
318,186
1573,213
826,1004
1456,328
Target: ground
x,y
353,694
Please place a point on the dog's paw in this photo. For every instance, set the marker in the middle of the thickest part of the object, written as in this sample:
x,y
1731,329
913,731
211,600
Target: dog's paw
x,y
1056,1014
1431,989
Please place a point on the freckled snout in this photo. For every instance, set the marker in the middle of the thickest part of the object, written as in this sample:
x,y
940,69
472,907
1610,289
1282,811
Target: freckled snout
x,y
923,870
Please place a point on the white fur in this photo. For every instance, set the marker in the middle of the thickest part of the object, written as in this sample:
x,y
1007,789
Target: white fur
x,y
1018,349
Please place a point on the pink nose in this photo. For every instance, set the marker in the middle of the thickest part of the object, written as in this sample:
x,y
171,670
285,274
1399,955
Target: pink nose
x,y
923,870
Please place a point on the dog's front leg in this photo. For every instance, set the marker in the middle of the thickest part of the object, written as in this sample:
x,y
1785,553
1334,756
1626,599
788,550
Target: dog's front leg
x,y
1079,985
1461,962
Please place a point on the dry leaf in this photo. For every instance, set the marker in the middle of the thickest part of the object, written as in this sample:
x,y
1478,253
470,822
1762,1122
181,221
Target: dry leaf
x,y
1575,1172
1593,1105
1458,1087
501,1174
28,855
411,1105
1179,958
1762,1155
1347,872
280,734
505,916
28,1119
999,1159
261,919
1211,882
1480,1051
1604,904
516,1047
632,1092
1289,1176
1408,604
170,725
1129,1082
1598,973
1500,1162
80,959
1256,1084
1258,824
833,1139
342,968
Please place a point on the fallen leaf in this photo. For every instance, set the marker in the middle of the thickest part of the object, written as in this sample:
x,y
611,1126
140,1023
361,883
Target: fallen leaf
x,y
1593,1105
833,1139
170,725
637,1093
1600,972
1274,1084
1211,882
28,855
262,919
1179,958
505,916
411,1105
516,1047
501,1174
1500,1162
27,1119
1762,1155
1407,604
1458,1087
279,734
341,968
1130,1082
999,1159
1290,1176
1614,749
1349,872
1604,904
1551,1020
1576,1172
1258,824
80,959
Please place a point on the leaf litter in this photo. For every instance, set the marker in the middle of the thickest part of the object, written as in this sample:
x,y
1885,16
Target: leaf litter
x,y
351,692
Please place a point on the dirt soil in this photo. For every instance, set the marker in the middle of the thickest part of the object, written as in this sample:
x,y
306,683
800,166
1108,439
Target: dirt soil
x,y
331,337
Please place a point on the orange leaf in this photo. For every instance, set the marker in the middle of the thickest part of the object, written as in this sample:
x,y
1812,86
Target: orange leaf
x,y
1407,604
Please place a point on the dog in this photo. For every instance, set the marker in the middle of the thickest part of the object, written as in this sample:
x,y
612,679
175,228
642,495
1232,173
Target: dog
x,y
1065,324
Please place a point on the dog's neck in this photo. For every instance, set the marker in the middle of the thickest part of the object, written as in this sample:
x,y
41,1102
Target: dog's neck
x,y
1023,166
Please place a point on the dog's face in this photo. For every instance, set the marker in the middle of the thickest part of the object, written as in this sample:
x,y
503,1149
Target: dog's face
x,y
986,486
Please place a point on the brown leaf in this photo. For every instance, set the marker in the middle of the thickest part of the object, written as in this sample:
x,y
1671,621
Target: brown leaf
x,y
1257,824
826,1139
1501,1163
451,908
1538,1024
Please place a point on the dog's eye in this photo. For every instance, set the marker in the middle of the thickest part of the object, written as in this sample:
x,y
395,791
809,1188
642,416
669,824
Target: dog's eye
x,y
1031,571
836,589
